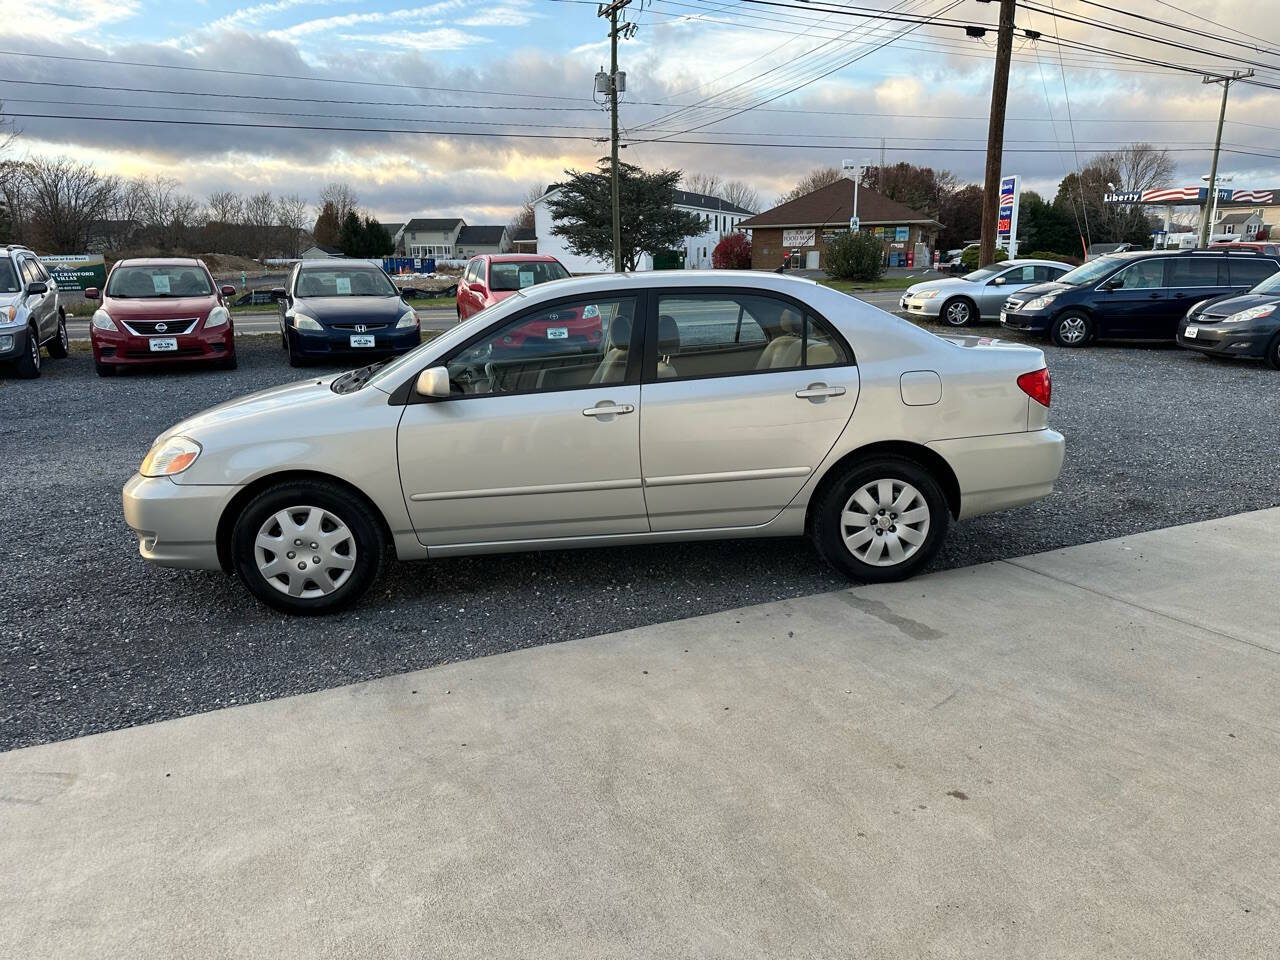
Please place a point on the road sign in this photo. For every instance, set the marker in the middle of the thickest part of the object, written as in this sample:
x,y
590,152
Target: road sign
x,y
853,224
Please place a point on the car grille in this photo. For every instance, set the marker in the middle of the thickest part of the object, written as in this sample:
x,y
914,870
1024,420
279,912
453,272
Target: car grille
x,y
365,327
172,328
1012,305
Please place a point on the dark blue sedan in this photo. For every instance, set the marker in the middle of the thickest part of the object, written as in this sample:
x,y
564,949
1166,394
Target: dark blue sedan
x,y
338,309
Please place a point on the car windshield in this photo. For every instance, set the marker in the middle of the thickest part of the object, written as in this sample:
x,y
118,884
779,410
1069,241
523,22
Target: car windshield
x,y
983,273
1269,285
387,373
168,280
330,281
1091,271
518,275
8,278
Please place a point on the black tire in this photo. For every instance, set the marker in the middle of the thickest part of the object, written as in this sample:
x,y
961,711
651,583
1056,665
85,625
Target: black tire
x,y
228,363
27,366
104,369
294,359
1071,328
60,345
827,523
958,312
284,340
1273,352
366,539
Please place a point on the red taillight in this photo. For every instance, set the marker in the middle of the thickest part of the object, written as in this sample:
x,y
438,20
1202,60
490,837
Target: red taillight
x,y
1036,385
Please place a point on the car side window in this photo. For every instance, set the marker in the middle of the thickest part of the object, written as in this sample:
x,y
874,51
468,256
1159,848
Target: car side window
x,y
702,335
582,343
1143,275
29,272
1044,273
1023,274
1249,272
1197,272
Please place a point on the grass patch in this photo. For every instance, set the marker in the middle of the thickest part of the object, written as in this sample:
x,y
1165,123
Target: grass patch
x,y
884,283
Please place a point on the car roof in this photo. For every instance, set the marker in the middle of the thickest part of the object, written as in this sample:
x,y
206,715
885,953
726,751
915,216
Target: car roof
x,y
160,262
320,264
725,279
517,257
1021,262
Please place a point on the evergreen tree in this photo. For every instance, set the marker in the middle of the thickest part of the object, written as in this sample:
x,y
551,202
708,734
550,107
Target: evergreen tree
x,y
327,228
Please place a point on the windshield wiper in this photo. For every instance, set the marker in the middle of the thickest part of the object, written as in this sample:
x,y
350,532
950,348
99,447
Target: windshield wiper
x,y
353,380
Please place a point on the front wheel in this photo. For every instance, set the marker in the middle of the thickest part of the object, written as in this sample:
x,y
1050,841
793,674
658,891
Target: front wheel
x,y
294,359
958,313
60,345
1071,329
1273,352
883,520
307,547
28,365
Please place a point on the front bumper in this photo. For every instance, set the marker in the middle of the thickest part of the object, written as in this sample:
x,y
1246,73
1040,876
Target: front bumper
x,y
176,524
930,307
1224,339
1037,323
1005,470
13,342
317,344
121,348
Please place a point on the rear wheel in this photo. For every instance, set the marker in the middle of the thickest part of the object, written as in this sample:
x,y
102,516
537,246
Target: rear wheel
x,y
307,547
1273,352
881,520
60,345
1071,329
958,312
28,365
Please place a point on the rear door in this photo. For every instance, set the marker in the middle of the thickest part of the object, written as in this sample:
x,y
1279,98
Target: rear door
x,y
992,295
39,306
1137,308
743,397
1191,279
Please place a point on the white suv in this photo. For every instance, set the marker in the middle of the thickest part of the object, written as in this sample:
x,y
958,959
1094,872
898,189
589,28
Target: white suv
x,y
29,313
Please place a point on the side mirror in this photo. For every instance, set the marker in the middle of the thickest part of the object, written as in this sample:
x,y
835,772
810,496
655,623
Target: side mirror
x,y
433,382
479,289
228,290
278,293
91,293
998,281
1112,283
38,288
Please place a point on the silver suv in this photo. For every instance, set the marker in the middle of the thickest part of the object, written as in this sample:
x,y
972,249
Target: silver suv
x,y
30,317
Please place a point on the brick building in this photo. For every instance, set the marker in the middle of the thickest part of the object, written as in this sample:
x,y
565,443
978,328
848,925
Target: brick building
x,y
807,223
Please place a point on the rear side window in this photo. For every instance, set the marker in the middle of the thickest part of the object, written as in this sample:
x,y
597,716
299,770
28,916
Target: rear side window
x,y
1044,273
29,272
1248,272
1198,272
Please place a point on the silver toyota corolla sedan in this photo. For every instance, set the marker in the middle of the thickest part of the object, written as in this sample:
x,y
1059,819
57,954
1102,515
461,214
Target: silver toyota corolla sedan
x,y
602,411
960,301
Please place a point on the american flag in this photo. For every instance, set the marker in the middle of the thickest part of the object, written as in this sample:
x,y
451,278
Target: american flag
x,y
1171,194
1252,196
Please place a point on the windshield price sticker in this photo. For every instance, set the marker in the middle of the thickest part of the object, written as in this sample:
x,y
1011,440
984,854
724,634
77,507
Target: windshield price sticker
x,y
161,282
344,285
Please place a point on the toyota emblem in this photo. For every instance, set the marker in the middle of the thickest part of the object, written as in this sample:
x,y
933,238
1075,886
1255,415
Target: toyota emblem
x,y
361,328
553,316
161,327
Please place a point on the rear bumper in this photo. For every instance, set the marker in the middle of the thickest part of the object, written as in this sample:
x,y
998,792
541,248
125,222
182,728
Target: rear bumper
x,y
176,524
125,349
1005,470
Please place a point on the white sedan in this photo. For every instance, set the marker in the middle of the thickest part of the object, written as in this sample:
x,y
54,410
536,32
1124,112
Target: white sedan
x,y
602,411
960,301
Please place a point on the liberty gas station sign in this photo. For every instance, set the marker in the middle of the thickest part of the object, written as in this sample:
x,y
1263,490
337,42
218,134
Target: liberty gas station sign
x,y
1007,221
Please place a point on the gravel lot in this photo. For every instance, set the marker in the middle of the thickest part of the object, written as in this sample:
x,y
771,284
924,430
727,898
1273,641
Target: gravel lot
x,y
92,639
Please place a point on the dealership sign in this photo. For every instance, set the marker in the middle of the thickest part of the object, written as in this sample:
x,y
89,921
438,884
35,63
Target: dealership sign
x,y
1007,222
76,271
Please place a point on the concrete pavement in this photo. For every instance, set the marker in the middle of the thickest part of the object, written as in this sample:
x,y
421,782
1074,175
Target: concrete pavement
x,y
1068,755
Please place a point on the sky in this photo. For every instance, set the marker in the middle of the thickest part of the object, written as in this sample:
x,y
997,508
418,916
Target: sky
x,y
501,92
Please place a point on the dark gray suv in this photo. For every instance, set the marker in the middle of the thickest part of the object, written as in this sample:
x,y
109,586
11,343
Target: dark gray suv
x,y
30,317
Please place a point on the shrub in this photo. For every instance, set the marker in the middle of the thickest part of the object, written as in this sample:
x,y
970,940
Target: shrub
x,y
969,259
1049,255
733,252
855,256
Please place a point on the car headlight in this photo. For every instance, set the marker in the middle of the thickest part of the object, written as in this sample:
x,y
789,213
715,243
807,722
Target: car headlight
x,y
10,315
302,322
102,320
407,319
218,317
590,311
1252,313
170,458
1039,303
925,294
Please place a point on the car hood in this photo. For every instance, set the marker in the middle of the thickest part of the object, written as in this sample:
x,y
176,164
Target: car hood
x,y
1220,307
351,309
946,285
9,299
158,308
499,295
292,397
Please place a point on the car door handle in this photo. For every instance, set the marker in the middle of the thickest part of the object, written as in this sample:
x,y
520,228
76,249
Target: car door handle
x,y
1155,296
819,391
609,410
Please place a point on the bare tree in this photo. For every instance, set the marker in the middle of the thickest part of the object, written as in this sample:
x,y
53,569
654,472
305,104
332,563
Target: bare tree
x,y
523,220
259,221
708,184
342,196
66,200
741,194
815,180
166,212
1140,166
226,206
291,215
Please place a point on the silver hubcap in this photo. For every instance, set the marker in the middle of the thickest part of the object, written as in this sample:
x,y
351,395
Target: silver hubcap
x,y
62,334
885,522
305,552
34,345
958,314
1072,330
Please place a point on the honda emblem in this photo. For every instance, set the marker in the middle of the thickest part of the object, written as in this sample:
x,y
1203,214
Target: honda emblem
x,y
361,328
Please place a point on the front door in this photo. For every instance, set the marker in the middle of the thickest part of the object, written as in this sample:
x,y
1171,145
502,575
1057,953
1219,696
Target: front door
x,y
743,397
541,438
1134,302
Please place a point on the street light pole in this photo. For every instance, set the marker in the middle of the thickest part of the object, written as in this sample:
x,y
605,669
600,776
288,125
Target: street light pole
x,y
1211,200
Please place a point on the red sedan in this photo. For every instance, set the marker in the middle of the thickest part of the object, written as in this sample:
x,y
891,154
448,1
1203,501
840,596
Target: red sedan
x,y
162,310
490,278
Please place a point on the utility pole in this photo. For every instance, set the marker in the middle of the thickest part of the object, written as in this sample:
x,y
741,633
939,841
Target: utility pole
x,y
611,11
1210,200
995,135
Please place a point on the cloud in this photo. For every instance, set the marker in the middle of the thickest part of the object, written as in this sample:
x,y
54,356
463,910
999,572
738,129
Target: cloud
x,y
508,14
66,18
446,38
428,14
